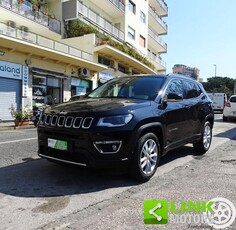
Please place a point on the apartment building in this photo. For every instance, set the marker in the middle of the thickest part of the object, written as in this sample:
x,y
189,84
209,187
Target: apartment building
x,y
186,70
62,48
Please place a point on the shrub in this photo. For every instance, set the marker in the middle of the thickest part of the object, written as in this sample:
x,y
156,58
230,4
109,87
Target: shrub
x,y
21,114
78,28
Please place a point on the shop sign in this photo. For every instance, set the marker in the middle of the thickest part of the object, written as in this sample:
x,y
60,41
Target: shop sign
x,y
39,93
104,77
10,70
25,81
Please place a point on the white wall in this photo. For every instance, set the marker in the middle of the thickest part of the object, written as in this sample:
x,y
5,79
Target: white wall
x,y
133,20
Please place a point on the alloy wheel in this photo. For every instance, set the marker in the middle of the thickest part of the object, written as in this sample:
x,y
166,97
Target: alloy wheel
x,y
207,137
148,156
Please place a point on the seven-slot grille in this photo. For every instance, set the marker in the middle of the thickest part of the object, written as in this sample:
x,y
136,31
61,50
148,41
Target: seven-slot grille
x,y
66,121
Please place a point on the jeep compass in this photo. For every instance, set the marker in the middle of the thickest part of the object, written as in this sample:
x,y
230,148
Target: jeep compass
x,y
130,121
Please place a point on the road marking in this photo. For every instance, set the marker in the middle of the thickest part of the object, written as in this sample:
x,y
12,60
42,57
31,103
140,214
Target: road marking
x,y
27,139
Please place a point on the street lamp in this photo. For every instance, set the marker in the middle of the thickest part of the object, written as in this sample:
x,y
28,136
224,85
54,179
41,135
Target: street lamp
x,y
215,68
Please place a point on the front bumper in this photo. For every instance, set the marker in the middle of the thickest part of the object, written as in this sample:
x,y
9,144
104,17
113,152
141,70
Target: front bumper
x,y
96,150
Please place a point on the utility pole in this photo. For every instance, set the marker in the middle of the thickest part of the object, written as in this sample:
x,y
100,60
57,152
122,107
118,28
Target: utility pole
x,y
215,68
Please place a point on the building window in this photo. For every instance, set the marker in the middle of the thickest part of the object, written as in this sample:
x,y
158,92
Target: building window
x,y
131,33
105,61
80,86
117,25
142,41
142,17
132,7
121,68
46,90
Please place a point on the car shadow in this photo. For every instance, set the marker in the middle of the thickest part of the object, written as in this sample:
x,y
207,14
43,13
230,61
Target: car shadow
x,y
40,178
231,134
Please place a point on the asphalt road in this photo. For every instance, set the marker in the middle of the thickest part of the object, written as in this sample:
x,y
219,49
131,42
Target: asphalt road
x,y
17,146
37,194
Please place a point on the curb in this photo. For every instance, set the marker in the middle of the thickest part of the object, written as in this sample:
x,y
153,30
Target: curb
x,y
5,128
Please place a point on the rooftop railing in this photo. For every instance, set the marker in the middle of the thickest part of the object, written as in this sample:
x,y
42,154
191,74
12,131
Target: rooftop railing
x,y
101,22
41,41
26,9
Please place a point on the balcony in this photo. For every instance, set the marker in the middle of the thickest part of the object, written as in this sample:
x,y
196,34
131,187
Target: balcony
x,y
156,42
34,44
25,10
87,15
160,6
112,53
156,22
115,8
161,65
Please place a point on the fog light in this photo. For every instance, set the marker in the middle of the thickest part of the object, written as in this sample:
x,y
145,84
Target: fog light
x,y
107,147
114,147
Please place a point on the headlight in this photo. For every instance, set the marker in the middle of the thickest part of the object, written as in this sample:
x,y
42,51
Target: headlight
x,y
115,121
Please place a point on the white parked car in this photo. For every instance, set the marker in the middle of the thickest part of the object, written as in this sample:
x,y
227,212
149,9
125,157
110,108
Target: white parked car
x,y
230,108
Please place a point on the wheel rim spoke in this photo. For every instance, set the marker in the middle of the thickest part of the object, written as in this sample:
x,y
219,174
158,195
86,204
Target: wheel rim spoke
x,y
152,147
143,159
144,164
148,167
153,157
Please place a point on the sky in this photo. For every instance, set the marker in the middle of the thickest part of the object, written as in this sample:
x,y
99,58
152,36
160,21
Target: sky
x,y
202,33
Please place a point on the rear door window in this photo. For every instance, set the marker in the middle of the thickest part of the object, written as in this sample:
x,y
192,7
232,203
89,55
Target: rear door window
x,y
192,90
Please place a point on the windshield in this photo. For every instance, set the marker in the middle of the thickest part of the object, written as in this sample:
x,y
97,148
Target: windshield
x,y
137,87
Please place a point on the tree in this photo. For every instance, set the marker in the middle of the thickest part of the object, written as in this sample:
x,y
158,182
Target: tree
x,y
220,85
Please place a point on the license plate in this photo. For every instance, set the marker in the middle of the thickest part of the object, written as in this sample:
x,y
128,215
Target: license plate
x,y
57,144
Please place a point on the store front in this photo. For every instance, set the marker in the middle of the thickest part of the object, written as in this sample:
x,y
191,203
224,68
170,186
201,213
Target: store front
x,y
10,88
47,87
80,86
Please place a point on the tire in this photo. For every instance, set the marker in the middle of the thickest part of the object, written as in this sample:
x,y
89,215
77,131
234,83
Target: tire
x,y
204,143
225,118
145,161
36,123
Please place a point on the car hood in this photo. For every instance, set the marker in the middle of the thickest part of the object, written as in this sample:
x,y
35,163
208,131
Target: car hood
x,y
88,105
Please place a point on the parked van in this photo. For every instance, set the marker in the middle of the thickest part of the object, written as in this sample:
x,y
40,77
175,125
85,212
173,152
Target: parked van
x,y
219,100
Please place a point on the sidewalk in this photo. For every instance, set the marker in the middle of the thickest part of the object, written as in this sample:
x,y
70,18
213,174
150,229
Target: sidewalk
x,y
10,125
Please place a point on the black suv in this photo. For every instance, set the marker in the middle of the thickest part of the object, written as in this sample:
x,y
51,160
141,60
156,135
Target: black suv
x,y
131,121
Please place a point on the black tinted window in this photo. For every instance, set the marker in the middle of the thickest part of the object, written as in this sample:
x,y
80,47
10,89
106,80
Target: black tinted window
x,y
130,87
192,90
175,87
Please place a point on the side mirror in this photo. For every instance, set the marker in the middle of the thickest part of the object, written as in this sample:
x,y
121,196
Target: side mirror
x,y
174,96
163,104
